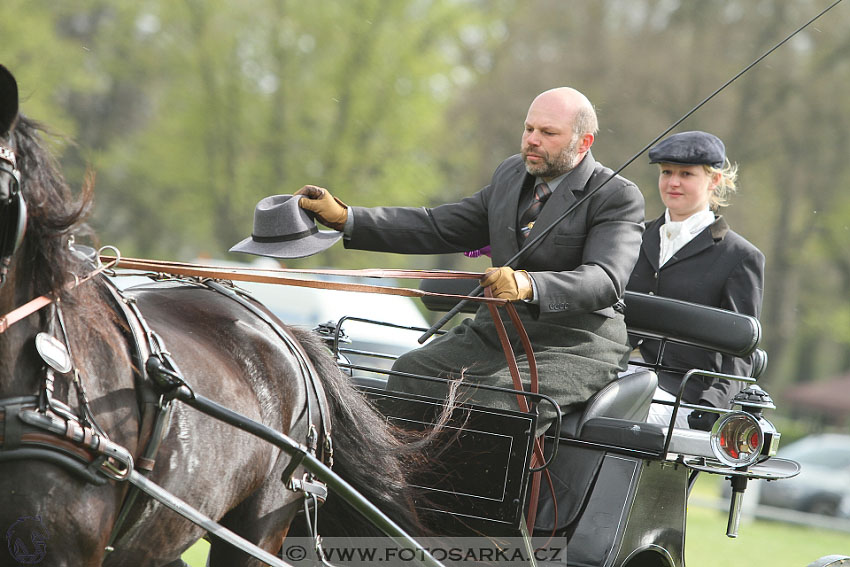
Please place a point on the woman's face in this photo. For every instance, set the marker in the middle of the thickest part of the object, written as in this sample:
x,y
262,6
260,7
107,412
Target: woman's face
x,y
685,189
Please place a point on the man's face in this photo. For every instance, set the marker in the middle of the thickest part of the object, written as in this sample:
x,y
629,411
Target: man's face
x,y
549,146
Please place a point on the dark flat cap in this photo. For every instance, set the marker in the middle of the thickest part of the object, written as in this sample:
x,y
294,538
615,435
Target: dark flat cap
x,y
282,229
690,148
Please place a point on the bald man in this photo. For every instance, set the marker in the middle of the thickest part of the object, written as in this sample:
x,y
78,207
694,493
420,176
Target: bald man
x,y
567,289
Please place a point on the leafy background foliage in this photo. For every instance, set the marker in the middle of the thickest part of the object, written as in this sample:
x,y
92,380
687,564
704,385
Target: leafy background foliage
x,y
191,111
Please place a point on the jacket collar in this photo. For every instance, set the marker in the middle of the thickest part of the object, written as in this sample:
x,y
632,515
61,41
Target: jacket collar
x,y
651,244
719,228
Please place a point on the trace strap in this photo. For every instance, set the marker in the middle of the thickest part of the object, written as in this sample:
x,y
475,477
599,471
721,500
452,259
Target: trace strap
x,y
200,519
34,305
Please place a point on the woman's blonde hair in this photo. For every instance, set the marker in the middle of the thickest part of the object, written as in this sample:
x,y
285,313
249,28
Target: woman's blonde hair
x,y
725,187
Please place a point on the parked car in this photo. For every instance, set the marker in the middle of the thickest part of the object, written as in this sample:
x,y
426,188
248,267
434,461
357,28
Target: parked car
x,y
823,485
310,307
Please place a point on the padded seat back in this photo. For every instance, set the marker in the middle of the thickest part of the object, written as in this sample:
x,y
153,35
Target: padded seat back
x,y
627,398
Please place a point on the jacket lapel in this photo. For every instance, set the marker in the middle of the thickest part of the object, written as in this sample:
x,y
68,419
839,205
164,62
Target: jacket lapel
x,y
519,180
652,242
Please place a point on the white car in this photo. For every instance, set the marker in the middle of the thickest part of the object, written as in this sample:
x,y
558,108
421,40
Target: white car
x,y
823,485
310,307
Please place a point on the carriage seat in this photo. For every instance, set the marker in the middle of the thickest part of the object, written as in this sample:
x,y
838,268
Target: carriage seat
x,y
709,328
626,398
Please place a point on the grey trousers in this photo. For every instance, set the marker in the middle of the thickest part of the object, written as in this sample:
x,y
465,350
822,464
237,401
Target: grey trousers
x,y
576,357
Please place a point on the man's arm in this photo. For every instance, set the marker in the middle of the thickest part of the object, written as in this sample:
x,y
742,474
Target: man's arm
x,y
610,251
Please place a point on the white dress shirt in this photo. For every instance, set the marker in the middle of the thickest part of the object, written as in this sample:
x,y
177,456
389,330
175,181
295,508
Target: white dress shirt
x,y
674,235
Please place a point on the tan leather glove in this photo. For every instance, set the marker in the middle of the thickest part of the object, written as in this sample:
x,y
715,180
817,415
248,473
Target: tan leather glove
x,y
329,210
505,283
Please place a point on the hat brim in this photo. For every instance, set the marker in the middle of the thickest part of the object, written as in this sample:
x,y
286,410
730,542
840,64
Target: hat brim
x,y
313,244
717,164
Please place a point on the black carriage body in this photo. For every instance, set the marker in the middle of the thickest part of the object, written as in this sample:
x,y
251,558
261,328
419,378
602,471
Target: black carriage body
x,y
497,443
620,484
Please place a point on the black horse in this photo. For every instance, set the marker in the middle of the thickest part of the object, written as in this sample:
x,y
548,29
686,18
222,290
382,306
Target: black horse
x,y
50,512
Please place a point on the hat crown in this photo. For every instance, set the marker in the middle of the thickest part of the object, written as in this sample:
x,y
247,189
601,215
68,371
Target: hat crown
x,y
280,215
282,229
690,148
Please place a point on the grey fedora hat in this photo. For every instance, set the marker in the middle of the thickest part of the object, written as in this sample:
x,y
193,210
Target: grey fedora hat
x,y
282,229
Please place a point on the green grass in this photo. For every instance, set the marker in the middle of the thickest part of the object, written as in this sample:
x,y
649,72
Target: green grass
x,y
760,543
196,556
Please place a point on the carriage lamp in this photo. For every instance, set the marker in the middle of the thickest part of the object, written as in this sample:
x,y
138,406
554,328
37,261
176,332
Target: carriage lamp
x,y
737,439
754,400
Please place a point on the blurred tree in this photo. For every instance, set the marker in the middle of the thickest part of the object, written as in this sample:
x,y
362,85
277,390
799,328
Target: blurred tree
x,y
48,64
236,102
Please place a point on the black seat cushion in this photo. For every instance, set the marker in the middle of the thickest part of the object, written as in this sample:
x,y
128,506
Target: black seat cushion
x,y
628,397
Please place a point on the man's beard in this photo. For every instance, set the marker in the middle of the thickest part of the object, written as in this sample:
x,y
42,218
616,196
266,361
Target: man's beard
x,y
550,167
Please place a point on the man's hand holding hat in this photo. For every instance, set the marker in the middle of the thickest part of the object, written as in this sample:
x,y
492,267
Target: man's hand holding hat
x,y
329,210
505,283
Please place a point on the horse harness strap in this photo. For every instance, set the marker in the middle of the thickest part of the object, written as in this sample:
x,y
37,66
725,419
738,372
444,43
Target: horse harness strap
x,y
44,428
155,409
38,303
277,276
13,209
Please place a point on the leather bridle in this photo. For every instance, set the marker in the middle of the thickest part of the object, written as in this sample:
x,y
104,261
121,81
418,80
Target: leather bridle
x,y
13,209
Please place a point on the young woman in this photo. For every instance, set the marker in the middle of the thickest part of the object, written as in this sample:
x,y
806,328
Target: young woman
x,y
691,254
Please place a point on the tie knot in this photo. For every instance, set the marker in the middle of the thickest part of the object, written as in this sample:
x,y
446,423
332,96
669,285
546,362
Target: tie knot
x,y
542,191
672,229
526,221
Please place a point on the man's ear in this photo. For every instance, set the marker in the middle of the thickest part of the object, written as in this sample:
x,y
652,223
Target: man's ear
x,y
8,101
585,141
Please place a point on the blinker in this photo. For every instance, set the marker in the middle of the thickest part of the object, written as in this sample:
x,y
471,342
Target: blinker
x,y
10,176
53,352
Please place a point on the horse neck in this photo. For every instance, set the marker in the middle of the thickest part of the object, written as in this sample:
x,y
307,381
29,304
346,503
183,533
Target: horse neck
x,y
19,365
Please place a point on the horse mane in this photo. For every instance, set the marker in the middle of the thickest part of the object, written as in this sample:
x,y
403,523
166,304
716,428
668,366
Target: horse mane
x,y
53,215
372,455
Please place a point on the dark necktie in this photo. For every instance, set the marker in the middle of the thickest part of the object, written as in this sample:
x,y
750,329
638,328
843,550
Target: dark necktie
x,y
526,221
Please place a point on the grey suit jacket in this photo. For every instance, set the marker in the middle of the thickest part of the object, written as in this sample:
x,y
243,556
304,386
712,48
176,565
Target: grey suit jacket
x,y
718,268
581,266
